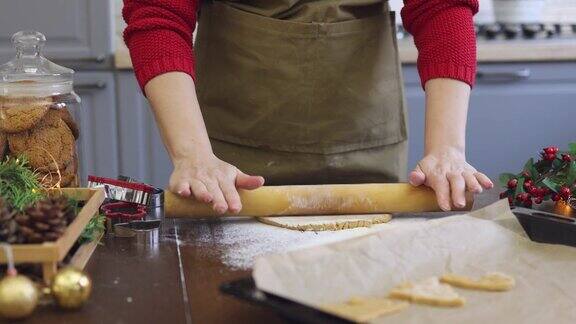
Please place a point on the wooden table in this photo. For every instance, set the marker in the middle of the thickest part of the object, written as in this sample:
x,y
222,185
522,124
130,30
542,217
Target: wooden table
x,y
175,281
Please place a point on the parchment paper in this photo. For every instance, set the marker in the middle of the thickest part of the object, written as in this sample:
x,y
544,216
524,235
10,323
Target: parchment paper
x,y
486,240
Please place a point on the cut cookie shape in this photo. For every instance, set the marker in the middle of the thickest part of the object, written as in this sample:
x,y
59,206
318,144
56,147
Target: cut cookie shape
x,y
326,223
493,281
362,310
19,114
429,292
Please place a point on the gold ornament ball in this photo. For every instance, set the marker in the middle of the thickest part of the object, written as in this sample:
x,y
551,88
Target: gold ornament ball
x,y
18,297
71,288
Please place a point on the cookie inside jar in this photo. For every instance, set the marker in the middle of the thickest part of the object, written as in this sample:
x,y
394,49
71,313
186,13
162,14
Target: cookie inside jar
x,y
37,105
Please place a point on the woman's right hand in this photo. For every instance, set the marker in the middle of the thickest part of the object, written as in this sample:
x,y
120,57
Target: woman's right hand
x,y
212,181
197,171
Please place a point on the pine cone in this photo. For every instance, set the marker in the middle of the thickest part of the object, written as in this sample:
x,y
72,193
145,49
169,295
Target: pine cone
x,y
9,229
63,203
46,220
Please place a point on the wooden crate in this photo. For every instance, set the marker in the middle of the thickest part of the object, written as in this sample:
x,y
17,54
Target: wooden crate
x,y
50,253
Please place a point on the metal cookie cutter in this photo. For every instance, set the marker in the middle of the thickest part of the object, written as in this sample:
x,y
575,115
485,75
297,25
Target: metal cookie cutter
x,y
122,190
146,232
156,197
128,190
123,212
155,201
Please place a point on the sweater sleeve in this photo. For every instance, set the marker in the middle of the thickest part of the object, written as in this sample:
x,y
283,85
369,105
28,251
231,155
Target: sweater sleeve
x,y
159,36
444,35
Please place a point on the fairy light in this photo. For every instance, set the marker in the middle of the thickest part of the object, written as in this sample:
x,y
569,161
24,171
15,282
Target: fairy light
x,y
564,208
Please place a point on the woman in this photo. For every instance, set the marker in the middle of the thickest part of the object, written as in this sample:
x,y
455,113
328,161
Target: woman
x,y
303,91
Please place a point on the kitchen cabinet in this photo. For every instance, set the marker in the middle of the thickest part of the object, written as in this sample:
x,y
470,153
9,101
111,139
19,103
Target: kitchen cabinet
x,y
97,119
143,154
79,32
515,110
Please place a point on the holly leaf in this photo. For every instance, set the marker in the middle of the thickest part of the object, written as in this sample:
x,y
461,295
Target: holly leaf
x,y
531,168
572,148
519,186
505,177
571,173
551,184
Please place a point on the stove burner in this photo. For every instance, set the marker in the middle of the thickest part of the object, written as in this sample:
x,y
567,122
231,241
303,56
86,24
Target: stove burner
x,y
532,30
524,31
512,31
503,31
491,31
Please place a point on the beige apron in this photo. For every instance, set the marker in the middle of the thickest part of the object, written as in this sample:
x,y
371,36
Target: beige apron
x,y
303,91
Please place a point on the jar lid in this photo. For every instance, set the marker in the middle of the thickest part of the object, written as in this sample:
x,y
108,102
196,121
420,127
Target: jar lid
x,y
30,73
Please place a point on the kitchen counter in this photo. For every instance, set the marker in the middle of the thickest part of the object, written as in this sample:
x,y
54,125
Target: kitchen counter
x,y
488,51
509,51
176,281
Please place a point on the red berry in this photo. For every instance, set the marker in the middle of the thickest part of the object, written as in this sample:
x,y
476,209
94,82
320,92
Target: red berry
x,y
566,158
534,191
550,157
512,183
528,203
527,185
538,200
503,195
551,150
565,191
510,200
543,191
555,197
523,196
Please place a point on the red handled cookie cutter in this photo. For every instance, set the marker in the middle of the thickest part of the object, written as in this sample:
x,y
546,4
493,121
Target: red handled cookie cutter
x,y
124,212
128,190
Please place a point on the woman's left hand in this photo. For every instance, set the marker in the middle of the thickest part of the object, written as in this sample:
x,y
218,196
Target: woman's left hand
x,y
447,172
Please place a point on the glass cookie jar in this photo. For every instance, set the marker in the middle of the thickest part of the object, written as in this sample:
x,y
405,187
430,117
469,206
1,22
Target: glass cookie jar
x,y
37,105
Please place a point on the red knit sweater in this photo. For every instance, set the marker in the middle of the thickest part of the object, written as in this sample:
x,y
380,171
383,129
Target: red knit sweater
x,y
159,36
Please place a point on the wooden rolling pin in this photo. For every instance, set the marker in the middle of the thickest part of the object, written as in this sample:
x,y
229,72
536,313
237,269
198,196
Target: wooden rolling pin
x,y
317,200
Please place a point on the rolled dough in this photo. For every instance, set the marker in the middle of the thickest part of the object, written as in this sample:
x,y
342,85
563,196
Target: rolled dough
x,y
326,223
494,281
429,292
361,310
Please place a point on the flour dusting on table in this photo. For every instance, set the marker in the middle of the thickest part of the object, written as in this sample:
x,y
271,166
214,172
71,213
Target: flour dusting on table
x,y
244,240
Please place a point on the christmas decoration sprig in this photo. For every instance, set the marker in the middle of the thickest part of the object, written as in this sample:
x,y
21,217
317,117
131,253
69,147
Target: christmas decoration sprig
x,y
18,184
552,177
93,230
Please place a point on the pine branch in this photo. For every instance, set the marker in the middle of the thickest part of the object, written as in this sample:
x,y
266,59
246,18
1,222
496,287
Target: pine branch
x,y
18,184
93,230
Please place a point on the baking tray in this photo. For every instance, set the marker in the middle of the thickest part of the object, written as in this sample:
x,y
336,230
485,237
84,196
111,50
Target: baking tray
x,y
293,312
545,227
540,226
